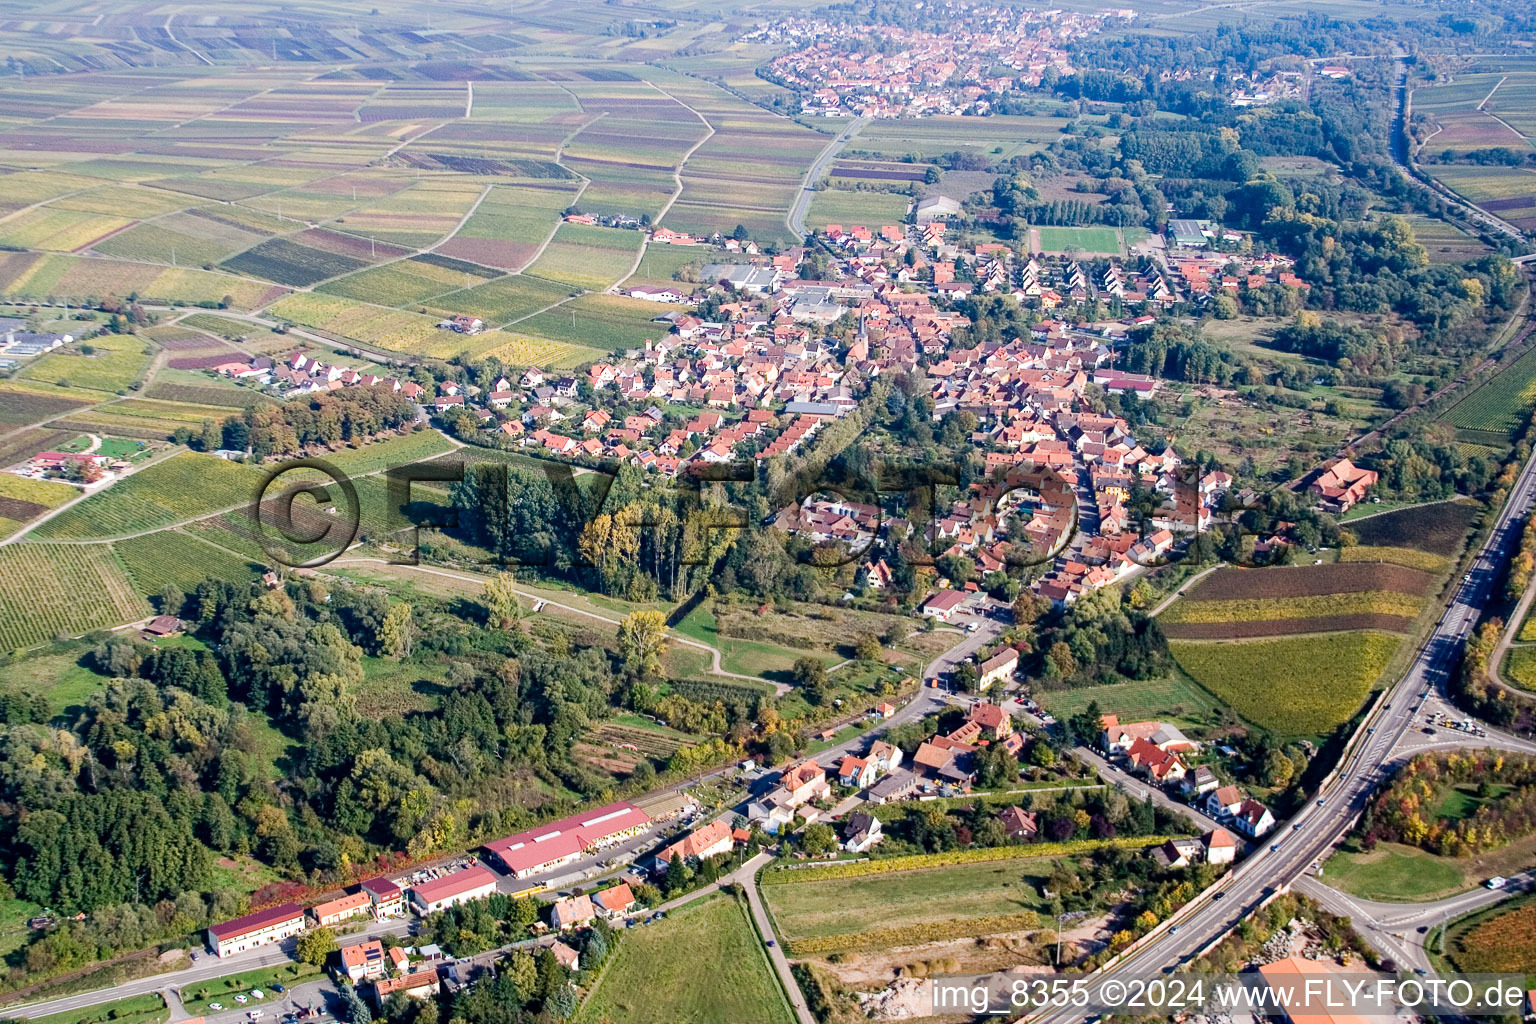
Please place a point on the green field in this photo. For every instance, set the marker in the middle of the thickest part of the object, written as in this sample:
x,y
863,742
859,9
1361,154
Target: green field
x,y
998,137
848,208
1501,402
1293,686
648,979
1173,699
503,300
588,257
114,362
1393,874
604,323
182,487
172,558
386,453
1520,664
907,899
48,590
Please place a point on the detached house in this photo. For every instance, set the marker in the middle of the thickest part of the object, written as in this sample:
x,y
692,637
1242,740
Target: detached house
x,y
800,785
712,840
861,832
1342,485
1156,763
572,912
856,772
1019,823
998,669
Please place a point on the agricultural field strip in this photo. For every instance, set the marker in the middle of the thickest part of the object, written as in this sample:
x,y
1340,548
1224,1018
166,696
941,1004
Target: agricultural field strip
x,y
500,273
179,524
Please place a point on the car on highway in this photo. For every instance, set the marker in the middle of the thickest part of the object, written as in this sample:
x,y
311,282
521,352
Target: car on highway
x,y
1174,930
1296,826
1321,800
1274,848
1219,896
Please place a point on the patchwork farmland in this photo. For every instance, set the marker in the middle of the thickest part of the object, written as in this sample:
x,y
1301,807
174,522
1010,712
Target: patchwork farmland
x,y
1235,603
395,202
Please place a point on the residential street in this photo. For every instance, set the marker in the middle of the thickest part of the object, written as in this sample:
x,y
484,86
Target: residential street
x,y
1136,789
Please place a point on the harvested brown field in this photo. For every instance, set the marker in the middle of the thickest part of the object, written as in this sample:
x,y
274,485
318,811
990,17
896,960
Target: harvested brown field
x,y
20,511
199,362
18,408
1310,581
349,245
491,252
1285,627
1437,529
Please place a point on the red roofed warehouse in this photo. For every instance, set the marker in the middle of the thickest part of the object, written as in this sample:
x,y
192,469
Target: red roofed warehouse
x,y
265,926
451,890
560,842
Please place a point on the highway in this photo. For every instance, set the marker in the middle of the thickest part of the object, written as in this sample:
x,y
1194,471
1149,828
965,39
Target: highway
x,y
1309,836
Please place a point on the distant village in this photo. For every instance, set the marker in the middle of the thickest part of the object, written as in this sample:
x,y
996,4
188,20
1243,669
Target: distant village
x,y
840,69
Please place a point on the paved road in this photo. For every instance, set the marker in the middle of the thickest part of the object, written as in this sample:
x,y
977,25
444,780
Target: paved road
x,y
207,968
1138,790
802,203
1311,834
1394,928
774,950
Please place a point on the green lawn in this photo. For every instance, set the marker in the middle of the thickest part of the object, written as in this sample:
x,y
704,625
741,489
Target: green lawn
x,y
746,657
1394,874
847,207
1173,698
704,964
197,995
148,1008
841,906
